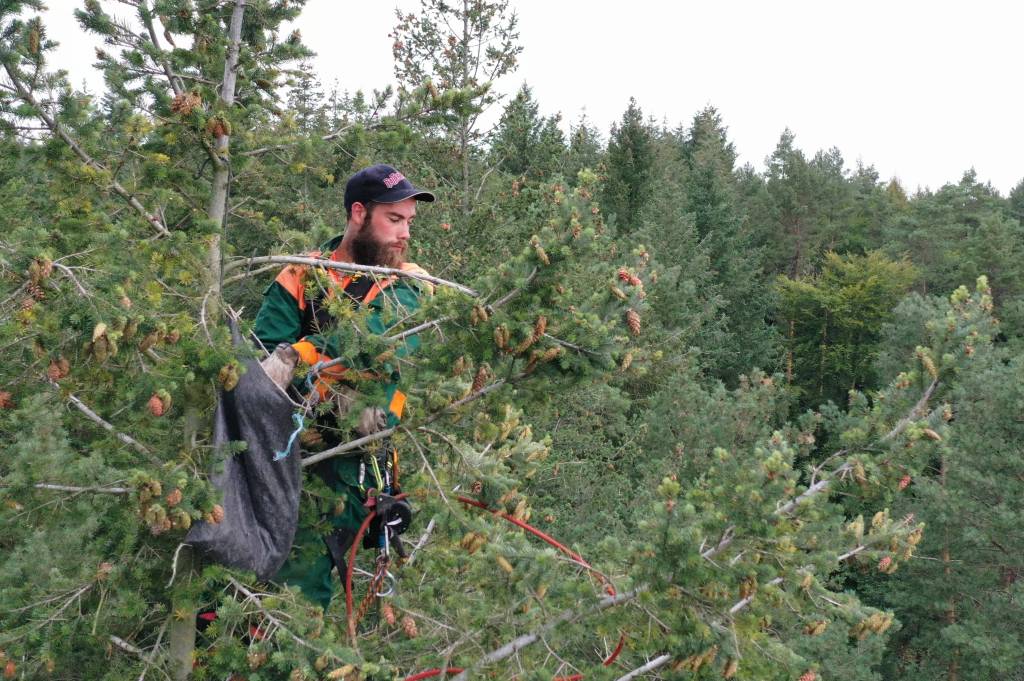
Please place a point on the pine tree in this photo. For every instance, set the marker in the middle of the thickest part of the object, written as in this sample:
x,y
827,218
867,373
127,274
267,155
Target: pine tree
x,y
629,168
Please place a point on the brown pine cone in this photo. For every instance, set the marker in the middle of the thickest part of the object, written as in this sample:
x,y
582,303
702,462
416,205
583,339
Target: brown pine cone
x,y
409,627
633,321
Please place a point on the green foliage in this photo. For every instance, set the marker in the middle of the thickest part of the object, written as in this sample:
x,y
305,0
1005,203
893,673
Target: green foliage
x,y
834,322
611,383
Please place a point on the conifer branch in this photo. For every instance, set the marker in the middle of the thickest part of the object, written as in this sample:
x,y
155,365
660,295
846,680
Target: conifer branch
x,y
347,267
823,484
520,642
57,129
287,145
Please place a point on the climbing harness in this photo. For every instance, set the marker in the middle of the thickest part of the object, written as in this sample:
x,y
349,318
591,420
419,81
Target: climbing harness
x,y
389,517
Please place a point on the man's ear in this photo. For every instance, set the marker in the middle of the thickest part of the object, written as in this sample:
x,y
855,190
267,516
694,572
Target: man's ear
x,y
358,212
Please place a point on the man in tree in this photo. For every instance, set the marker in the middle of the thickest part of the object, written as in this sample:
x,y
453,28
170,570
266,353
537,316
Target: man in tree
x,y
300,309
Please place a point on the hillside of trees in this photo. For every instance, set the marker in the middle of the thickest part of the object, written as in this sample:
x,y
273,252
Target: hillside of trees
x,y
778,414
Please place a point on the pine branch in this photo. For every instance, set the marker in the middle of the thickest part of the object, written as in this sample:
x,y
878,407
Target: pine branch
x,y
520,642
347,267
57,129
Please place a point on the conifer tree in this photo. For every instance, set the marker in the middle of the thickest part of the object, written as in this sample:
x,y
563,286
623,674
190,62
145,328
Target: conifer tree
x,y
629,168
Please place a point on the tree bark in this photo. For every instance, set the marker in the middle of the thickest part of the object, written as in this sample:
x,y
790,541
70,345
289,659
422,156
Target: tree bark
x,y
222,175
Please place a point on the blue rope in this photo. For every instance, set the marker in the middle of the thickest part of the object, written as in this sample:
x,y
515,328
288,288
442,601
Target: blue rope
x,y
299,427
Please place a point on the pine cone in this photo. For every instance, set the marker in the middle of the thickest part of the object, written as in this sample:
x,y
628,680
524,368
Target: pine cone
x,y
884,564
6,401
149,341
217,513
633,321
808,676
174,497
10,670
480,379
155,405
256,658
185,103
409,627
904,482
388,613
623,274
730,669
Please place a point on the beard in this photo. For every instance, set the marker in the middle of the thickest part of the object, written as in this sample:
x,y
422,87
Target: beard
x,y
368,250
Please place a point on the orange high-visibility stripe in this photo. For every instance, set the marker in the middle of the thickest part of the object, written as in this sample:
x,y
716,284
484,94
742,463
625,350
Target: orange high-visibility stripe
x,y
291,280
397,403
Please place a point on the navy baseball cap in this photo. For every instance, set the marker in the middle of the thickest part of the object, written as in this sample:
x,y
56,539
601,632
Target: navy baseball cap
x,y
382,184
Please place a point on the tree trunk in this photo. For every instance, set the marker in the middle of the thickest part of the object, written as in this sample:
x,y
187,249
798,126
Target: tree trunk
x,y
953,671
182,627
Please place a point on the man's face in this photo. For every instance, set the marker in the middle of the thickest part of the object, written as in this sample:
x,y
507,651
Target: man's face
x,y
383,235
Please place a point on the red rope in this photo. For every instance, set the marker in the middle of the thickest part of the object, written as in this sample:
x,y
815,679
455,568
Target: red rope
x,y
430,673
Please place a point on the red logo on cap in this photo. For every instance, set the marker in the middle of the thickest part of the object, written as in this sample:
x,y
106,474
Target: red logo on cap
x,y
393,179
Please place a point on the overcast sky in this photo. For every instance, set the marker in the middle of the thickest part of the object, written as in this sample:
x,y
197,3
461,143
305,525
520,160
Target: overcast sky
x,y
921,90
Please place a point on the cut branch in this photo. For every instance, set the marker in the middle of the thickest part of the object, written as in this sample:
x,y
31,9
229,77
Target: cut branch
x,y
57,129
347,267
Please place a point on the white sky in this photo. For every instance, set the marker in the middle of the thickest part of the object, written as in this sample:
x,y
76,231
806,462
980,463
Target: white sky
x,y
923,90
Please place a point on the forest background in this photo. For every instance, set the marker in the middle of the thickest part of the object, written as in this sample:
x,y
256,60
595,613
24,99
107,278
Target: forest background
x,y
778,411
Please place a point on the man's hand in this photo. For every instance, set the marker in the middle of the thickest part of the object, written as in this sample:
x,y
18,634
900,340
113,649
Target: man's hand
x,y
280,365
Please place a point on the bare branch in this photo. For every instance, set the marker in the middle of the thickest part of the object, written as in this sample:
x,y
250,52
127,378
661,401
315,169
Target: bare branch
x,y
656,663
347,267
739,605
95,418
81,490
723,543
57,129
520,642
126,646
